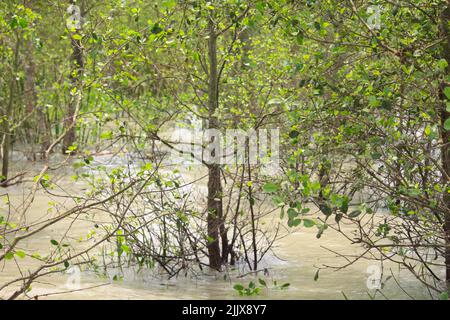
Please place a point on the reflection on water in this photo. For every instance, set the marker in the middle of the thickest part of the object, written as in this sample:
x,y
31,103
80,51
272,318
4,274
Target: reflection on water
x,y
293,261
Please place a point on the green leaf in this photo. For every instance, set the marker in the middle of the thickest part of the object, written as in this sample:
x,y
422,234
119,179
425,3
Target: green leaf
x,y
20,254
292,213
308,223
238,287
354,213
23,23
260,6
443,296
317,25
270,187
13,24
326,210
285,286
321,228
344,205
316,276
156,29
76,36
106,135
447,92
447,124
374,102
293,134
442,64
54,242
66,264
9,256
262,282
125,248
294,222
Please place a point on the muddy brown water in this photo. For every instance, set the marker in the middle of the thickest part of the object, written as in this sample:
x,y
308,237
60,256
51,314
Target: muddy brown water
x,y
294,261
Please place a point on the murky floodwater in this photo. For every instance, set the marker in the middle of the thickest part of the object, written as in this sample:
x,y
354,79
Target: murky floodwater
x,y
294,261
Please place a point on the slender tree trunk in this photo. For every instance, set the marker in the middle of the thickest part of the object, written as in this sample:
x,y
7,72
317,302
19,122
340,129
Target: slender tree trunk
x,y
252,210
445,136
9,115
7,134
214,205
31,96
75,79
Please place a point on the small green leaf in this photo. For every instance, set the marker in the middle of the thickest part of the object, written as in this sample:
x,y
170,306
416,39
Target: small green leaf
x,y
285,286
9,256
13,23
344,205
23,23
293,134
238,287
447,92
442,64
443,296
54,242
20,254
447,124
262,282
308,223
270,187
156,29
316,276
374,102
321,228
354,214
106,135
326,210
292,213
294,222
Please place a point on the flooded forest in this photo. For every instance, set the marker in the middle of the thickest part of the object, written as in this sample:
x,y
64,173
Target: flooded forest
x,y
225,149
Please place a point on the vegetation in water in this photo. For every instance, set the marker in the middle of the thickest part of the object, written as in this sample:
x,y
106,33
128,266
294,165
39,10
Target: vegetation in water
x,y
167,135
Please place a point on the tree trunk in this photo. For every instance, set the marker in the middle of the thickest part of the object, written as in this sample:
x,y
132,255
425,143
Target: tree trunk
x,y
75,79
31,97
8,119
214,205
445,136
